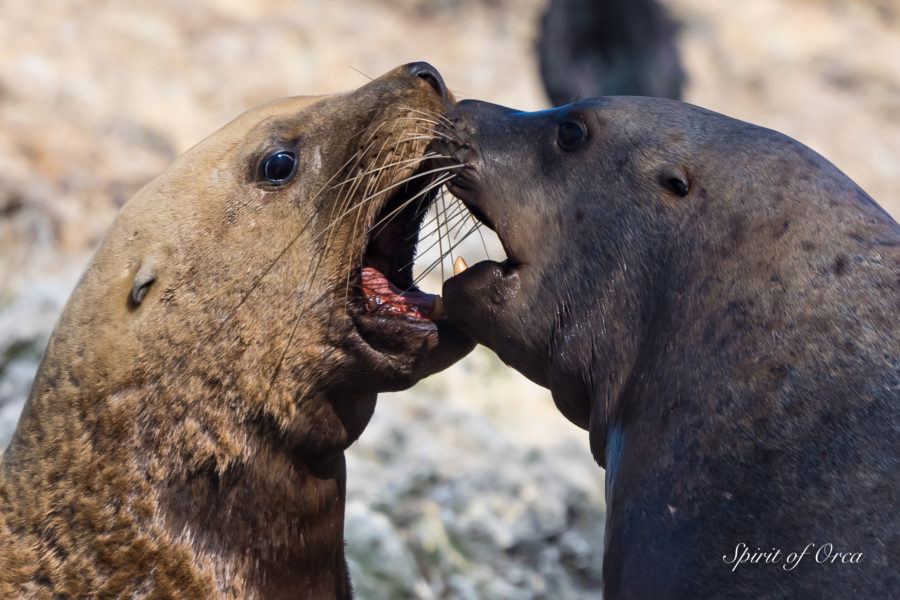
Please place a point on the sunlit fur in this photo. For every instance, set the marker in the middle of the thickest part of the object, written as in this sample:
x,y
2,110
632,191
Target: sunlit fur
x,y
191,445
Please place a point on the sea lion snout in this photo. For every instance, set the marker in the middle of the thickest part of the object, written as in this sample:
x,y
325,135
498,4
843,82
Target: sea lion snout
x,y
476,133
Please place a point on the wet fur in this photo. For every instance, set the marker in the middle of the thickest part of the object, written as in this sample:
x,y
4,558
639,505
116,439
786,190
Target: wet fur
x,y
734,353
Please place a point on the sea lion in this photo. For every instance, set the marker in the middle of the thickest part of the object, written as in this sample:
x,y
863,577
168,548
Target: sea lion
x,y
184,436
717,304
608,48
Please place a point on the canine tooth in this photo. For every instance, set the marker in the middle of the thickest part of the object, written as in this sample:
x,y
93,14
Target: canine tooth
x,y
437,310
459,266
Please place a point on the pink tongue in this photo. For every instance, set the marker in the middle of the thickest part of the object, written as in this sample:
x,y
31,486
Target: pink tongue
x,y
382,296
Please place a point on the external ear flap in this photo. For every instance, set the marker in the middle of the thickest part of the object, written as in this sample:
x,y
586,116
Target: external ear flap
x,y
144,278
675,180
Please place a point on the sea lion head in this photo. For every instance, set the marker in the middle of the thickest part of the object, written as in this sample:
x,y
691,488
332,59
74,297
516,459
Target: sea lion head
x,y
186,428
272,262
571,193
609,208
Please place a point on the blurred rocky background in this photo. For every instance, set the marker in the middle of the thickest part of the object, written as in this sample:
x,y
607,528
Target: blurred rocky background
x,y
470,485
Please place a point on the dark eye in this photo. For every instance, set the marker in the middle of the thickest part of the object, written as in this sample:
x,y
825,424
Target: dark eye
x,y
572,134
678,186
675,179
279,167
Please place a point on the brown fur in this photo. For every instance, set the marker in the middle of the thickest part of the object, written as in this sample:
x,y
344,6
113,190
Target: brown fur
x,y
191,446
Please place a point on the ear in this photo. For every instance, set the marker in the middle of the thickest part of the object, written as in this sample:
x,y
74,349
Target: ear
x,y
675,179
143,279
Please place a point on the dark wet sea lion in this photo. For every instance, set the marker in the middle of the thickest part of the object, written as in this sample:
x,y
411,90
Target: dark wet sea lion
x,y
184,436
717,304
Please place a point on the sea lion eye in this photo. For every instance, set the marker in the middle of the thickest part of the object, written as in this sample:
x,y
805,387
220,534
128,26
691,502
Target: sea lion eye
x,y
279,167
571,135
675,180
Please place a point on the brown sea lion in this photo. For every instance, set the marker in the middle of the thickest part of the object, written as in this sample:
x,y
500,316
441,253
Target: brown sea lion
x,y
184,436
717,304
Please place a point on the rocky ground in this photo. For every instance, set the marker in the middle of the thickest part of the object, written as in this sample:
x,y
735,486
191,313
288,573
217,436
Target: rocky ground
x,y
470,485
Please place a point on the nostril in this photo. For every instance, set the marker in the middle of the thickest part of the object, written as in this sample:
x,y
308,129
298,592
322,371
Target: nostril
x,y
429,74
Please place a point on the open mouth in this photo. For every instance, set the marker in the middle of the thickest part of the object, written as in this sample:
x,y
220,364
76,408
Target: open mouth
x,y
458,189
384,298
385,284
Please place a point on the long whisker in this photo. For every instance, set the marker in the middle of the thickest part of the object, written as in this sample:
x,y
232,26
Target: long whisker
x,y
374,170
436,119
383,221
440,260
442,118
393,186
255,283
449,239
469,217
365,147
481,235
456,212
448,135
372,183
346,199
387,218
407,161
438,241
369,77
431,122
455,231
327,232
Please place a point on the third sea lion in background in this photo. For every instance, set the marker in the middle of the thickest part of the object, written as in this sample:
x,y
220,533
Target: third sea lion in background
x,y
717,304
184,435
608,48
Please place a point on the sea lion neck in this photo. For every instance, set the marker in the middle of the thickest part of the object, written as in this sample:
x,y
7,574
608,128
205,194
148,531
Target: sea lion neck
x,y
237,489
291,512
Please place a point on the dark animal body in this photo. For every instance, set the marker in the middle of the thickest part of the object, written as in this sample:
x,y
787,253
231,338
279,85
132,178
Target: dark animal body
x,y
717,304
608,48
184,435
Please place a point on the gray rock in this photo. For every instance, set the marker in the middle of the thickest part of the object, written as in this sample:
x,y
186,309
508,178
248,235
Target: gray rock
x,y
483,513
26,322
